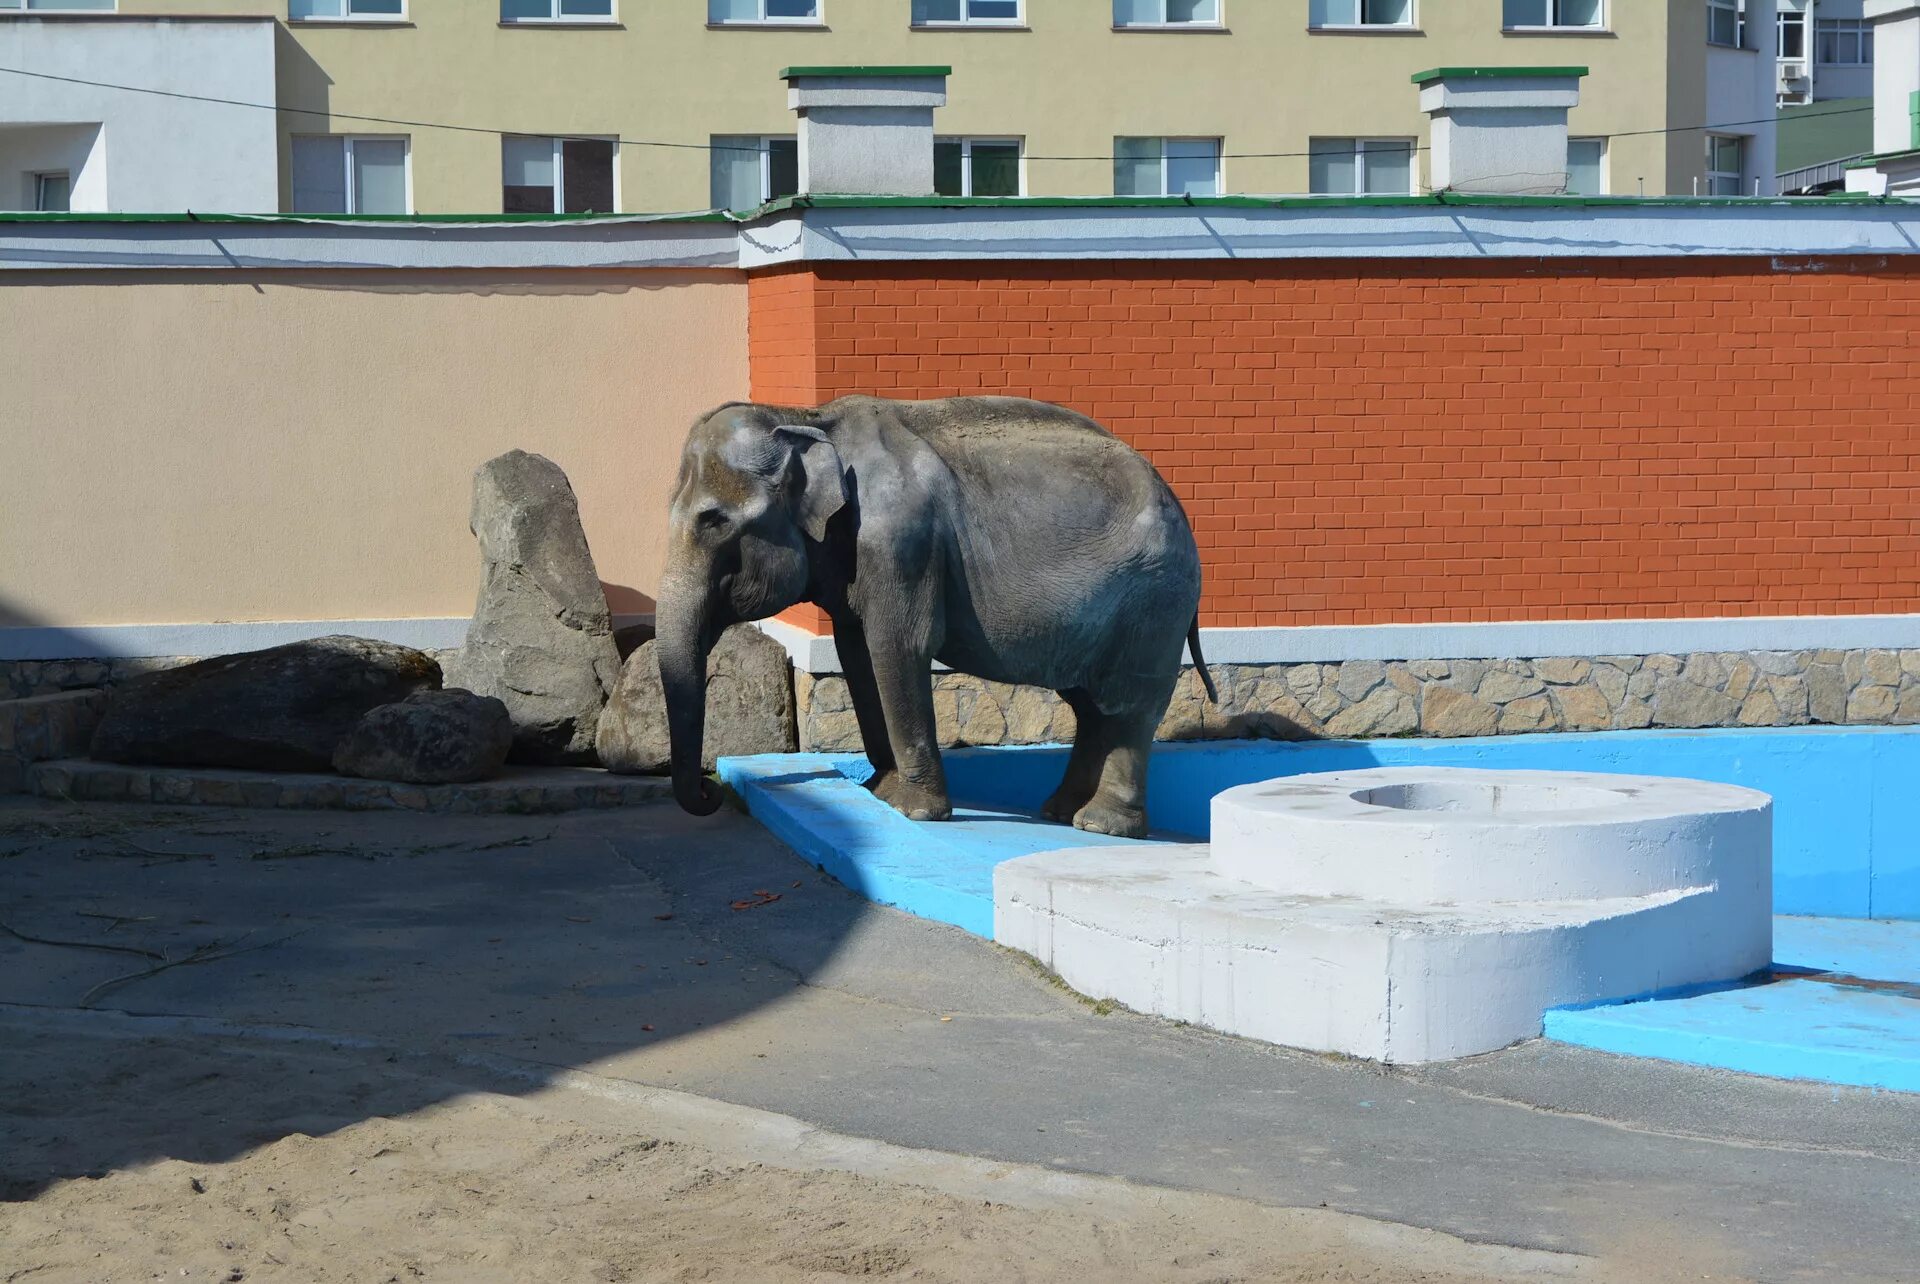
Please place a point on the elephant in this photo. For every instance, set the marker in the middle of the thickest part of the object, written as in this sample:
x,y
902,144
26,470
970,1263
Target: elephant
x,y
1011,539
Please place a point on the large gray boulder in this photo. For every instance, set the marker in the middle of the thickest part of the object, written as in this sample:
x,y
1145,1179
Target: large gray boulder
x,y
282,709
430,738
541,641
749,705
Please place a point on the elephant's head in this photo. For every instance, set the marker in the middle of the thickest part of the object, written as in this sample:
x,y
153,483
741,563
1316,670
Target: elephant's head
x,y
757,485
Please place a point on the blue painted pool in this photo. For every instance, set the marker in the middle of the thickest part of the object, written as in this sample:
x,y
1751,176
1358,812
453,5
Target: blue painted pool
x,y
1846,838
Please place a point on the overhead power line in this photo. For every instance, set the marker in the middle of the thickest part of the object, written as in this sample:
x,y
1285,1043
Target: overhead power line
x,y
329,114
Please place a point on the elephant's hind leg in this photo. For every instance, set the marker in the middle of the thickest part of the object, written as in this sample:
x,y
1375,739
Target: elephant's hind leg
x,y
1084,763
1119,803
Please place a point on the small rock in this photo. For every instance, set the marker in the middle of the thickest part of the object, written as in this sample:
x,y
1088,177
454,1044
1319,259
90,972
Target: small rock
x,y
1907,711
1429,670
1883,668
1502,685
1531,713
1583,708
430,738
1612,683
1465,675
1760,710
1633,715
1386,712
1780,663
1304,679
1826,692
1790,694
1679,703
1563,670
1446,712
1741,675
1358,677
1872,705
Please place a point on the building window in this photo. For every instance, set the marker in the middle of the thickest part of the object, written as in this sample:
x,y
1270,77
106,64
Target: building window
x,y
1727,23
1726,164
68,6
556,175
1535,15
1360,13
336,174
1586,166
961,13
724,12
1166,167
748,170
1360,166
556,11
1793,33
53,192
1843,42
977,167
346,10
1166,13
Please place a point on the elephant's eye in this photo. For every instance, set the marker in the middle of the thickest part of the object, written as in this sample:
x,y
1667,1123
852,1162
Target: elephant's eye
x,y
711,519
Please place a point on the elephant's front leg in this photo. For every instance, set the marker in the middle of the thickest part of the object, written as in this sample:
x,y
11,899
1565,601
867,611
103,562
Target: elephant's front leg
x,y
903,678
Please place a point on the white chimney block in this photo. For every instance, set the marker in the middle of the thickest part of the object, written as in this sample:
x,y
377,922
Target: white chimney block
x,y
1893,169
866,130
1499,129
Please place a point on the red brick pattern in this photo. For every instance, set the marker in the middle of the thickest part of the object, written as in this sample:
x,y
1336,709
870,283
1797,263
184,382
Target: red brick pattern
x,y
1363,443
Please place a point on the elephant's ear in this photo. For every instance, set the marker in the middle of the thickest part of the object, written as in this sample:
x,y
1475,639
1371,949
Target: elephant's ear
x,y
825,490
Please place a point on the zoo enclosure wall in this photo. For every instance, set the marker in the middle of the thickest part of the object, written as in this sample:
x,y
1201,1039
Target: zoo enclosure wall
x,y
1422,441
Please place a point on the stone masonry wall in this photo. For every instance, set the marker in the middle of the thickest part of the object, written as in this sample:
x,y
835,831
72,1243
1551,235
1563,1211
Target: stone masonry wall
x,y
1438,698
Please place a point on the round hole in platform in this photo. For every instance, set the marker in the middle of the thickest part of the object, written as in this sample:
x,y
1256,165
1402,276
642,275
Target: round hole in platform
x,y
1473,797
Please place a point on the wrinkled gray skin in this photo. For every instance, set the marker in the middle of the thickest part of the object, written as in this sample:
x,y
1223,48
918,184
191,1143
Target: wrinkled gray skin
x,y
1010,539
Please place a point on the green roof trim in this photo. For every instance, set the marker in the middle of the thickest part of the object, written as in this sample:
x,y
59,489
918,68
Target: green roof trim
x,y
788,73
1868,162
1492,73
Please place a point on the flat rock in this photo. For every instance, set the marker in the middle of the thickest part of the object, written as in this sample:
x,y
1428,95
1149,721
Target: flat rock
x,y
749,706
430,738
282,709
541,641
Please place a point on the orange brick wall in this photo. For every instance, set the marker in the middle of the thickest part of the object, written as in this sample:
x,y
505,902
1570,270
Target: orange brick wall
x,y
1409,442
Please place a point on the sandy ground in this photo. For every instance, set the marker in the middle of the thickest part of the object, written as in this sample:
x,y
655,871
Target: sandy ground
x,y
558,1186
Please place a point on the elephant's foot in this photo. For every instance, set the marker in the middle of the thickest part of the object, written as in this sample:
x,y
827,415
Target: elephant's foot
x,y
914,801
1064,805
1104,816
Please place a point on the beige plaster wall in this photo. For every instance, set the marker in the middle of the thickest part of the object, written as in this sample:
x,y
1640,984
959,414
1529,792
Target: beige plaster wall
x,y
1068,84
194,447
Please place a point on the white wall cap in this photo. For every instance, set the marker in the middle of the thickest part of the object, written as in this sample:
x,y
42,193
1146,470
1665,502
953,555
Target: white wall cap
x,y
867,91
1533,92
1888,10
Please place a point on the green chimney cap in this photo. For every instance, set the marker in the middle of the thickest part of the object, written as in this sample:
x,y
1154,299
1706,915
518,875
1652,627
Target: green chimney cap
x,y
1492,73
788,73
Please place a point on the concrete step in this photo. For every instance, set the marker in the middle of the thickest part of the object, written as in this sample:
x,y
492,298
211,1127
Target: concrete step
x,y
518,790
36,728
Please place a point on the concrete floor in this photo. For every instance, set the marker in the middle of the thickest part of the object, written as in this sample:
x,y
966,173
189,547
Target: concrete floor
x,y
611,942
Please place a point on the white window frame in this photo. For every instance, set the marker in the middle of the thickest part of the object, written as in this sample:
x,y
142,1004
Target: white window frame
x,y
1216,23
1860,28
819,18
346,158
1606,182
1553,23
1219,158
1781,21
38,180
967,141
1738,9
966,19
559,166
1410,146
349,16
1411,24
765,142
1713,175
555,18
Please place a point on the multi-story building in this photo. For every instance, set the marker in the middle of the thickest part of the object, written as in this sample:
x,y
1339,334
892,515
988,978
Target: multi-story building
x,y
439,106
1825,88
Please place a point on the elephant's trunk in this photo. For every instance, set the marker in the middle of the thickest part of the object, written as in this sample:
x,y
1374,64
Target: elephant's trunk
x,y
681,642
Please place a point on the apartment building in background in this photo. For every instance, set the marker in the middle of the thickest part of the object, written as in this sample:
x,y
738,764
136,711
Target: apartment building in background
x,y
1825,89
536,106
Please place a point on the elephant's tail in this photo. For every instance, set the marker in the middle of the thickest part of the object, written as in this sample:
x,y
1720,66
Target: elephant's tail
x,y
1200,661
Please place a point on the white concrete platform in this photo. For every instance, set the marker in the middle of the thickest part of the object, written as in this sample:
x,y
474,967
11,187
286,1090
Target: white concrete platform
x,y
1409,914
